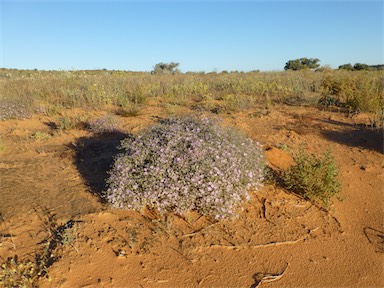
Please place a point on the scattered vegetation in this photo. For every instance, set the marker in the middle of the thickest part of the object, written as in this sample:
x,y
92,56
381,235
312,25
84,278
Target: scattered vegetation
x,y
15,272
19,273
358,93
314,178
184,164
26,92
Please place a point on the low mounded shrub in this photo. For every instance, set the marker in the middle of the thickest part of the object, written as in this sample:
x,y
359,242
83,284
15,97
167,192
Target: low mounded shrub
x,y
314,178
12,109
184,164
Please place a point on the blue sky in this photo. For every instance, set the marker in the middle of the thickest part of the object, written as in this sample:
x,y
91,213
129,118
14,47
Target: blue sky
x,y
200,35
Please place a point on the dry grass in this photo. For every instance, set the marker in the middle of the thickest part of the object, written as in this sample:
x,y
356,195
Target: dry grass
x,y
52,91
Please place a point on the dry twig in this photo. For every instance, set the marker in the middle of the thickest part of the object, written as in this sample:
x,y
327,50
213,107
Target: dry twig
x,y
266,278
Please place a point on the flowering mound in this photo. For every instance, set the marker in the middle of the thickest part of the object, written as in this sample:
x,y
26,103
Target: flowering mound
x,y
184,164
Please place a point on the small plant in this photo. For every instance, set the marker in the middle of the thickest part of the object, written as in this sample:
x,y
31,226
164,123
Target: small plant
x,y
104,124
314,178
2,147
69,122
57,234
38,135
15,272
129,110
236,102
184,164
19,273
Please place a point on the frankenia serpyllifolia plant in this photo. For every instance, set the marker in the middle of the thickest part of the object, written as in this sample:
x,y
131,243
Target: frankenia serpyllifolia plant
x,y
184,164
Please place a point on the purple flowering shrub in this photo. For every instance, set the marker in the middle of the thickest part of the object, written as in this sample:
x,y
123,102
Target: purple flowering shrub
x,y
11,109
184,164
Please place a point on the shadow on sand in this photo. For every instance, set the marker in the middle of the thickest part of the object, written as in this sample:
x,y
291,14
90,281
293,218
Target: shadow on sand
x,y
366,138
94,158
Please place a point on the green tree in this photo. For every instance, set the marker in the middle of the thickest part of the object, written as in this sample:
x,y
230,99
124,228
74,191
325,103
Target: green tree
x,y
346,66
166,68
302,63
360,66
377,67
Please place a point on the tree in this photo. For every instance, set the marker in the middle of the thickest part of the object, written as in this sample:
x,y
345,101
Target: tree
x,y
360,66
166,68
302,63
377,67
346,66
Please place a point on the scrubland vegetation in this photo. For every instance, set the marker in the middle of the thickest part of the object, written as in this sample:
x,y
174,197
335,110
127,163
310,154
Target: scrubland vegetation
x,y
185,163
24,93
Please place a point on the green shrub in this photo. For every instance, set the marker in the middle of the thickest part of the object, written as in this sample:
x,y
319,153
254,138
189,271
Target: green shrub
x,y
361,91
314,178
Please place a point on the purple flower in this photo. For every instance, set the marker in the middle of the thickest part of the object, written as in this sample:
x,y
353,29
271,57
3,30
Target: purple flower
x,y
186,164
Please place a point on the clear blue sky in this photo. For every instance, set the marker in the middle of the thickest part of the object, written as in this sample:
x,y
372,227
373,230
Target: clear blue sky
x,y
200,35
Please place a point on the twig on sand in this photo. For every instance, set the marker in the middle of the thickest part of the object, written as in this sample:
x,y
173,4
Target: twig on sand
x,y
376,238
198,231
181,254
271,244
10,235
266,278
8,244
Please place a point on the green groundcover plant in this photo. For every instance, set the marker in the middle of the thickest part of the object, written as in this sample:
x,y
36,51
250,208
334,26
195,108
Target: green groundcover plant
x,y
184,164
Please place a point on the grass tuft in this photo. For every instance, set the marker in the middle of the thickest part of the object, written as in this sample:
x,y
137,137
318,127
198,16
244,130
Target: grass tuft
x,y
105,124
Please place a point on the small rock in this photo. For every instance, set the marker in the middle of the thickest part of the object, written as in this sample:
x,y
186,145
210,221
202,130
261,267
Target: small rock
x,y
293,135
121,253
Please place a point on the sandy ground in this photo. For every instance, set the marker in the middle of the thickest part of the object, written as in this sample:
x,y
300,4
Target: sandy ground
x,y
278,240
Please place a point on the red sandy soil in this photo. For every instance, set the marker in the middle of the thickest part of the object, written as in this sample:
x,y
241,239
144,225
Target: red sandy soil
x,y
278,240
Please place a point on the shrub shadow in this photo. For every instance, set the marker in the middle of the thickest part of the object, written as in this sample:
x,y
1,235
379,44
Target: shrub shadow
x,y
94,158
366,138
